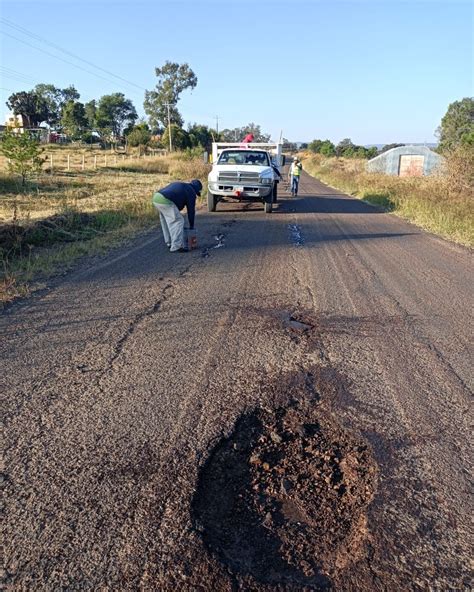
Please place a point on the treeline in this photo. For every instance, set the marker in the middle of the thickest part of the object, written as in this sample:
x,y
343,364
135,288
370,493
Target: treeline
x,y
455,131
346,148
113,119
63,113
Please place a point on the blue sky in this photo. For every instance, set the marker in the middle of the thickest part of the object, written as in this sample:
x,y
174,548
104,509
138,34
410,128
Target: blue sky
x,y
376,71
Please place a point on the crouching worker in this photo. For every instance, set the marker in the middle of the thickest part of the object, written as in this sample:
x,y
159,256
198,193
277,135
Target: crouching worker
x,y
168,202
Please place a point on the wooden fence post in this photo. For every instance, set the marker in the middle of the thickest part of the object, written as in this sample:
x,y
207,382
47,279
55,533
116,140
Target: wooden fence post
x,y
68,162
95,161
105,159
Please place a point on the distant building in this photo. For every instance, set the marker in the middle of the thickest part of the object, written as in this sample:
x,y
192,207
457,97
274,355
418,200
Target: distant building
x,y
17,122
406,161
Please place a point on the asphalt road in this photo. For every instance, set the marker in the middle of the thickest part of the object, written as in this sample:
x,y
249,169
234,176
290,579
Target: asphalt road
x,y
123,378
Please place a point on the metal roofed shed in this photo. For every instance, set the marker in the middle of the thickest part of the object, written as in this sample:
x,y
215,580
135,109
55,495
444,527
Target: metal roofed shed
x,y
406,161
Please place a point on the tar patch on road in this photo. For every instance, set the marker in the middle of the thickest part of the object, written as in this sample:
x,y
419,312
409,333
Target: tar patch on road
x,y
283,500
296,236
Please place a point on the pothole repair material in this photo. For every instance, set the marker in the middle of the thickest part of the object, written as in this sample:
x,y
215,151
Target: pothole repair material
x,y
284,499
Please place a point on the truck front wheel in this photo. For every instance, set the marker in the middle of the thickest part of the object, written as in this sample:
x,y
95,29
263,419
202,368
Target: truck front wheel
x,y
268,205
275,192
211,201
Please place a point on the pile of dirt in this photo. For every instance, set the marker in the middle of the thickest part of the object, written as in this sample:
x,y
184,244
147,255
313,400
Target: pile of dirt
x,y
284,499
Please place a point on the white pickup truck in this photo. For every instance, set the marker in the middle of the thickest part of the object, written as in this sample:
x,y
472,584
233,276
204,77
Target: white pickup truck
x,y
245,172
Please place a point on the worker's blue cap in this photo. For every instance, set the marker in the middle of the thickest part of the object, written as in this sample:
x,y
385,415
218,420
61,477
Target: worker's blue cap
x,y
196,183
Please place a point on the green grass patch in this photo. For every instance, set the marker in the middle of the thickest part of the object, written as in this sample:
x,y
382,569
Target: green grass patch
x,y
381,200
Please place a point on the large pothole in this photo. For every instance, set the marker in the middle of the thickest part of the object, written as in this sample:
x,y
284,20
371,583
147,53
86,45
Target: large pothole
x,y
283,500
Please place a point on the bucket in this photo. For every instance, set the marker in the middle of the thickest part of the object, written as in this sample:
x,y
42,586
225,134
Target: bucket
x,y
190,239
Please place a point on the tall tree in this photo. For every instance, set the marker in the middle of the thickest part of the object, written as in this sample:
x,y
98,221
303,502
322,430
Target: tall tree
x,y
179,138
56,98
457,126
113,112
173,79
90,110
73,119
32,107
201,135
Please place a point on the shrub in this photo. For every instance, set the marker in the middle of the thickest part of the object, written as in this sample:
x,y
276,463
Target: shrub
x,y
23,153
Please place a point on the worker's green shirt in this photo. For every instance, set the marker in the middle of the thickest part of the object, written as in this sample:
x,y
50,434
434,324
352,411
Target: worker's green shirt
x,y
159,198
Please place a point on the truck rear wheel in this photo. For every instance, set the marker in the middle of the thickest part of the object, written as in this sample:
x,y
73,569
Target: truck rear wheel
x,y
211,201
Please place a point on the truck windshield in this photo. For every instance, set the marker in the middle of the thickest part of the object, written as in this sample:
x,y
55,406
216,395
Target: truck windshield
x,y
244,157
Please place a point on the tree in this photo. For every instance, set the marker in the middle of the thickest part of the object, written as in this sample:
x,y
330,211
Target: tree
x,y
90,110
179,137
315,146
390,146
139,135
201,135
457,125
113,112
345,148
289,146
325,147
56,99
238,133
173,79
23,153
32,107
73,119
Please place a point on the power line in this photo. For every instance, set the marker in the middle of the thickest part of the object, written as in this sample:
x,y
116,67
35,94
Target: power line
x,y
30,80
59,58
67,52
15,75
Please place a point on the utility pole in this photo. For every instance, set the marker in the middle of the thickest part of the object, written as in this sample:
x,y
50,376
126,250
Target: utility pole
x,y
169,126
217,125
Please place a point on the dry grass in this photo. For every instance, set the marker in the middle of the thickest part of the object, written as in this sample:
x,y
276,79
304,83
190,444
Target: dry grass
x,y
442,204
65,215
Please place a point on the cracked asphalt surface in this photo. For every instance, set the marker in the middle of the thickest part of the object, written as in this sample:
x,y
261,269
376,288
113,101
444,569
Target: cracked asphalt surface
x,y
124,377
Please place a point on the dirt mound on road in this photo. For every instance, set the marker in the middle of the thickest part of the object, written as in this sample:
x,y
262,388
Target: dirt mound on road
x,y
284,499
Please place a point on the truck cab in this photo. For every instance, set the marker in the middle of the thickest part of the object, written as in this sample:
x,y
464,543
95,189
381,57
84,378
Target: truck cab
x,y
247,172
